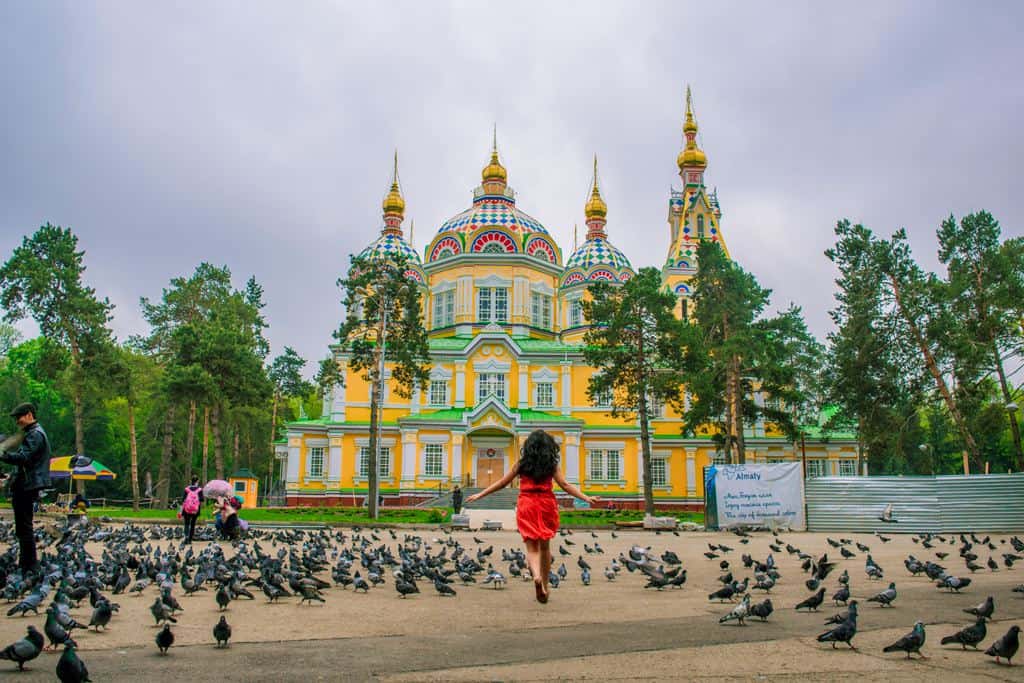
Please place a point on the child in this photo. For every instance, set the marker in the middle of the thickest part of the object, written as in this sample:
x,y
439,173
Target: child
x,y
536,509
227,517
191,503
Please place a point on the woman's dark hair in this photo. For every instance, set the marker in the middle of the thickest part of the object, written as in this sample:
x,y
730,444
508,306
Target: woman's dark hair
x,y
539,456
195,480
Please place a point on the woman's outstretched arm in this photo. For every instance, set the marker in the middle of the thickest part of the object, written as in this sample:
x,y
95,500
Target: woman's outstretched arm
x,y
496,486
573,491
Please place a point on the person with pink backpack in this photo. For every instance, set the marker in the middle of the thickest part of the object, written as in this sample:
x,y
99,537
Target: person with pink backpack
x,y
190,505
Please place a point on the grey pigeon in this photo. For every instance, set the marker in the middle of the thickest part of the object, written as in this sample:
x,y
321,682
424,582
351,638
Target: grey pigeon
x,y
886,597
443,588
1006,647
165,639
840,618
762,610
984,610
842,595
24,650
843,633
222,632
161,612
912,642
813,602
739,612
71,669
57,634
101,614
405,588
972,635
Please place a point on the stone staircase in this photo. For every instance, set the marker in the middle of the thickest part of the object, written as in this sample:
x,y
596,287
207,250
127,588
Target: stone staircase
x,y
504,499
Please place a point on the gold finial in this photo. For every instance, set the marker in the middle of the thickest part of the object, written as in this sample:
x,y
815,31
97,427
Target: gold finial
x,y
691,156
595,208
494,171
393,202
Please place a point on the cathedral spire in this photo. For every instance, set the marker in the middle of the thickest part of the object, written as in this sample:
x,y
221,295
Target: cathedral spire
x,y
691,161
494,175
596,210
394,204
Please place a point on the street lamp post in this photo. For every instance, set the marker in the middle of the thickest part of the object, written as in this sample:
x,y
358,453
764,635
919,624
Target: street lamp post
x,y
929,449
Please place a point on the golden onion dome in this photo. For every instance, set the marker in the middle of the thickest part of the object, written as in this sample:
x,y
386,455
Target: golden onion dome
x,y
494,171
692,156
595,208
393,202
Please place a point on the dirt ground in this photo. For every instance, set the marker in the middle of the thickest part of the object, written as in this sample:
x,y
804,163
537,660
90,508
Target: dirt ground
x,y
610,630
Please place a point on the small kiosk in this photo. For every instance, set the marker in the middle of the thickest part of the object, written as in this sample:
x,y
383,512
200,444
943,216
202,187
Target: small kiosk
x,y
246,486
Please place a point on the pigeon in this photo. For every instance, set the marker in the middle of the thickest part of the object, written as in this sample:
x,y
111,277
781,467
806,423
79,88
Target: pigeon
x,y
762,610
843,616
71,669
161,612
443,588
739,612
886,597
1005,648
101,614
223,597
222,632
722,594
31,602
165,639
813,602
55,633
843,633
842,595
912,642
28,648
406,588
953,583
972,635
984,610
887,517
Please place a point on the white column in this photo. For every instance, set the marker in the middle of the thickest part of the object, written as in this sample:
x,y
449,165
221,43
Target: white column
x,y
639,464
464,313
408,458
572,458
414,406
456,474
460,384
566,387
338,397
334,460
524,385
520,299
691,472
294,443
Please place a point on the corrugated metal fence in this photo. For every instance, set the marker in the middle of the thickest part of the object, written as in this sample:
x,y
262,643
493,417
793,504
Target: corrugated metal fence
x,y
993,502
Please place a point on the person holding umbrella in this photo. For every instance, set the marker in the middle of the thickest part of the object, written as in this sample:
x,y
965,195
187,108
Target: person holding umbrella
x,y
32,460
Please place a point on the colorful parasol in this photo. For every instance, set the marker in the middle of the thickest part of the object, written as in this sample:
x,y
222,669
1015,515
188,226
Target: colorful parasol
x,y
61,468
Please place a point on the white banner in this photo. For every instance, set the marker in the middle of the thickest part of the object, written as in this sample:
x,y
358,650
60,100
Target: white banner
x,y
760,495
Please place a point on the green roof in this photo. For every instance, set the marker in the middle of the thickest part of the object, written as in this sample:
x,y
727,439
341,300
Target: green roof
x,y
449,343
443,415
542,416
546,345
244,473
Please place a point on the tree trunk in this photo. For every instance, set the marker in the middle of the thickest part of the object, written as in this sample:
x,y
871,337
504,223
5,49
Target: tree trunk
x,y
133,449
736,409
645,448
79,408
1007,400
860,446
163,480
372,483
273,437
190,446
218,443
235,451
933,369
206,443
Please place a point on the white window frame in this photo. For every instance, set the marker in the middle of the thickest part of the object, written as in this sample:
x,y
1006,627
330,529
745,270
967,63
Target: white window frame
x,y
660,470
433,460
383,463
444,308
492,304
317,460
603,463
491,384
576,313
850,466
540,310
438,397
816,467
544,395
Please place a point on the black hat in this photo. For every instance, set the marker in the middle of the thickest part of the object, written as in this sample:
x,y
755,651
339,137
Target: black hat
x,y
23,409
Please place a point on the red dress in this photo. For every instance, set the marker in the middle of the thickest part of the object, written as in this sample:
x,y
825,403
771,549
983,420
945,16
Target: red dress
x,y
536,509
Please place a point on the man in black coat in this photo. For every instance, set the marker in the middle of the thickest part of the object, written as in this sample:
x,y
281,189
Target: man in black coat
x,y
32,460
457,500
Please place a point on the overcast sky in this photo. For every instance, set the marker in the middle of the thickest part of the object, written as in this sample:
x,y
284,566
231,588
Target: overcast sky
x,y
260,135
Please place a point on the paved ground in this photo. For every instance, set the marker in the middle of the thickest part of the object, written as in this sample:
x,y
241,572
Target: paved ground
x,y
606,631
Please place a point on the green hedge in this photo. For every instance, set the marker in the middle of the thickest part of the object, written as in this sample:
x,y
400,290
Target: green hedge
x,y
345,515
610,517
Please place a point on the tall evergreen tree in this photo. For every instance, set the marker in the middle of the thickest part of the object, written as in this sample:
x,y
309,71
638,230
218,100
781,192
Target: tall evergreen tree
x,y
285,374
383,326
634,343
984,289
43,279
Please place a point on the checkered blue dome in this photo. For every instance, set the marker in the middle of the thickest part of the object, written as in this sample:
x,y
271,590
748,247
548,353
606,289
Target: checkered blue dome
x,y
598,252
493,212
390,245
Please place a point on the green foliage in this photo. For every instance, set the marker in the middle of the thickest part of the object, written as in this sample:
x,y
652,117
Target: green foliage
x,y
634,344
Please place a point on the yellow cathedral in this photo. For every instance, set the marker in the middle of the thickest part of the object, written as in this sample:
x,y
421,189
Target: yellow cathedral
x,y
505,321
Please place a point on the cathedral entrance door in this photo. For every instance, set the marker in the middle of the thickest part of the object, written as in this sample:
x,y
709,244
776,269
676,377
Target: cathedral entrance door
x,y
490,466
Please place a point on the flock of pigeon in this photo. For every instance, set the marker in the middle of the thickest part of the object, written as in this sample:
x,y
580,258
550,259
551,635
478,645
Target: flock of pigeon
x,y
282,564
843,626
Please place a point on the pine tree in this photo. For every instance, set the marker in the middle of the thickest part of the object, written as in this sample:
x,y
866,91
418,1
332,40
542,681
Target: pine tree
x,y
634,344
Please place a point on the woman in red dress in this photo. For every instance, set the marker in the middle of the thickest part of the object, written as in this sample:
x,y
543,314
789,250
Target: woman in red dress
x,y
537,509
